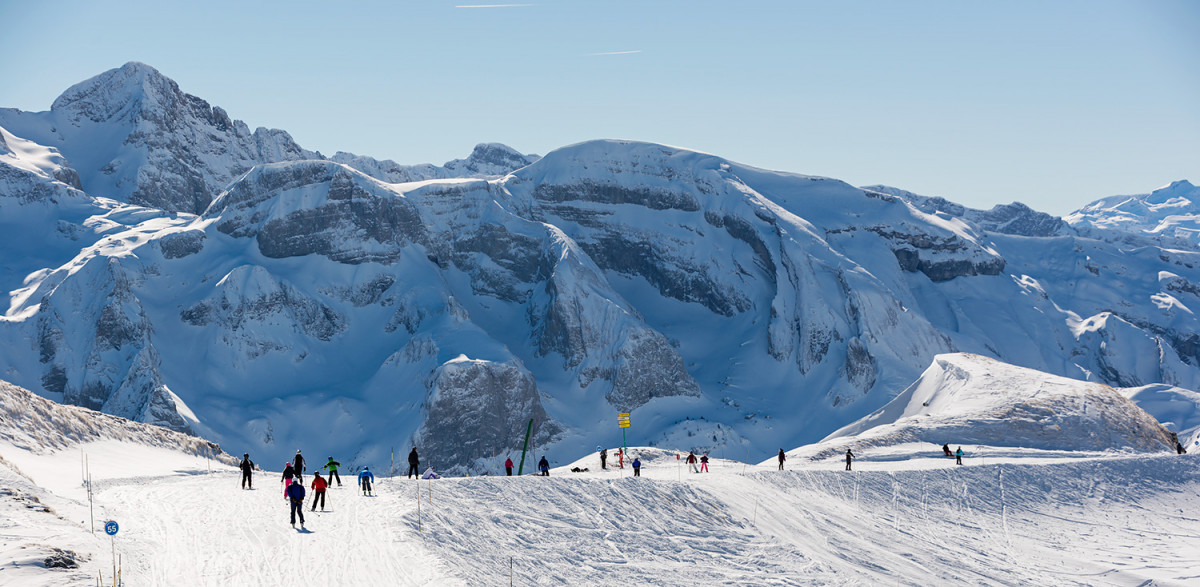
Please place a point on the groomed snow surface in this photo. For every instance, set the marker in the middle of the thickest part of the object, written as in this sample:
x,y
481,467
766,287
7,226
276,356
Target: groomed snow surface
x,y
905,515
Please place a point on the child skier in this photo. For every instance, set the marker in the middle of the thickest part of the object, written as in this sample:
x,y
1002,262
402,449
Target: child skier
x,y
637,467
958,456
288,474
318,486
508,467
544,466
364,480
332,467
704,463
295,494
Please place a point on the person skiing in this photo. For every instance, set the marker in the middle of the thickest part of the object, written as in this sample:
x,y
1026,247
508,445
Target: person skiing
x,y
298,467
365,477
603,459
704,463
247,469
849,456
637,467
620,458
691,460
544,466
288,474
318,486
958,456
946,449
508,467
782,458
332,467
295,495
413,461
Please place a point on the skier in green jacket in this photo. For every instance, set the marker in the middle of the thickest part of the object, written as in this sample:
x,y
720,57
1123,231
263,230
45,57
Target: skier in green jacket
x,y
332,467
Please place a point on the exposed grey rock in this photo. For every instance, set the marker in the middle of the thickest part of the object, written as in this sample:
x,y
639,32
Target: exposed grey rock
x,y
477,409
181,244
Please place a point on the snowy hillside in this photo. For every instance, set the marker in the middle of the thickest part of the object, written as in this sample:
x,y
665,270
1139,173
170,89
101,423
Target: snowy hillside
x,y
1022,518
366,306
969,399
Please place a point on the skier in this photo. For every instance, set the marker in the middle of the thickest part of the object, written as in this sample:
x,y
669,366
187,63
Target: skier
x,y
288,474
958,456
298,467
295,493
637,467
508,467
782,458
946,449
1179,448
413,461
620,458
318,487
849,456
704,463
247,467
544,466
603,458
691,460
364,480
332,467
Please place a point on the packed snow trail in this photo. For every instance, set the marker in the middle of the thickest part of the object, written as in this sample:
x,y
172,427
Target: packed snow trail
x,y
206,530
1086,519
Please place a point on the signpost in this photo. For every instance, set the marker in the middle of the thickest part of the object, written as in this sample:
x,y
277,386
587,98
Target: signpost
x,y
623,423
110,528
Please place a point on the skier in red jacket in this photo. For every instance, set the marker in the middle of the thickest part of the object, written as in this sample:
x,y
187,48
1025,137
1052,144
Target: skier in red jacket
x,y
508,467
318,486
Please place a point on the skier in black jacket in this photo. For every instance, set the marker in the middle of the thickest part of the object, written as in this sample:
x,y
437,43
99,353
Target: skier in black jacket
x,y
849,457
288,474
782,457
544,466
413,461
298,466
247,467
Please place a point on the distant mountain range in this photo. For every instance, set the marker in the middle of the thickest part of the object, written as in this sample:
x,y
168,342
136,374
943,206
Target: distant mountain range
x,y
166,264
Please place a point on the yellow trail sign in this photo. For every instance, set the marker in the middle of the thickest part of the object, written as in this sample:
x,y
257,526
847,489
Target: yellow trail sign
x,y
623,424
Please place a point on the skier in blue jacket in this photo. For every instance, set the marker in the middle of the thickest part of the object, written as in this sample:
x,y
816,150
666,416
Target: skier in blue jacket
x,y
364,480
295,493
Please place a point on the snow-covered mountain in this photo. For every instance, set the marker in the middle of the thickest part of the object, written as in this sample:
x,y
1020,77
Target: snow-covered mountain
x,y
362,306
1170,213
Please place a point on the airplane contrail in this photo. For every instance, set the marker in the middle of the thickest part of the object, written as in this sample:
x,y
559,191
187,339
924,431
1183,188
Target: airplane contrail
x,y
613,53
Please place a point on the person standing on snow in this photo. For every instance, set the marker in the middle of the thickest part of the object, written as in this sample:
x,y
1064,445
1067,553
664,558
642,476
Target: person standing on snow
x,y
295,495
637,467
691,460
782,458
288,474
508,467
318,486
704,463
603,459
544,466
298,467
365,477
849,457
413,461
958,456
247,471
332,467
1179,448
620,459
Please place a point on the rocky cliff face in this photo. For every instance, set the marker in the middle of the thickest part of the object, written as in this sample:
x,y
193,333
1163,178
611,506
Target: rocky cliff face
x,y
334,302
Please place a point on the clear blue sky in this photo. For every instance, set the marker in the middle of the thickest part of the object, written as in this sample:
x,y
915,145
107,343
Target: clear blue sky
x,y
1050,103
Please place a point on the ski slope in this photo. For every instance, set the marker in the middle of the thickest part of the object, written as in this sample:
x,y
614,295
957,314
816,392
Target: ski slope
x,y
903,516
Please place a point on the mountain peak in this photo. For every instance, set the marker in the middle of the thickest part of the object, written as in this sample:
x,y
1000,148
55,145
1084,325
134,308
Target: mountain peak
x,y
118,92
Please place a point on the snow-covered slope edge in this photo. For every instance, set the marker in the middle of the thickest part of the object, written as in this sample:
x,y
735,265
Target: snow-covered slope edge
x,y
38,425
965,398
